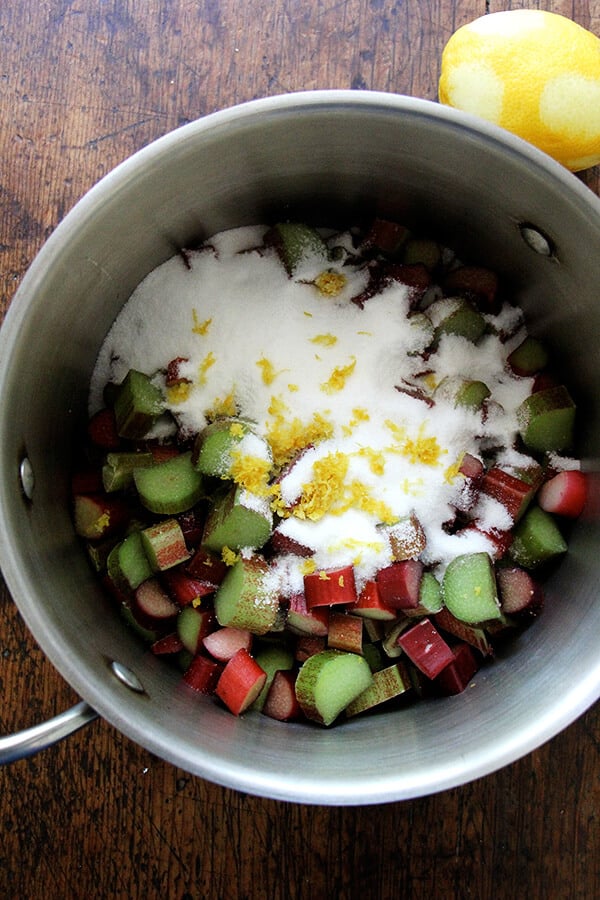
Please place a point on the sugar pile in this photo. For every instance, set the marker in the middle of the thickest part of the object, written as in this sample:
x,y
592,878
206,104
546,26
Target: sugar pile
x,y
316,372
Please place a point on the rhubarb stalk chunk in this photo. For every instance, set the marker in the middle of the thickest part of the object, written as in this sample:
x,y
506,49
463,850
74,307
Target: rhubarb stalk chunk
x,y
329,681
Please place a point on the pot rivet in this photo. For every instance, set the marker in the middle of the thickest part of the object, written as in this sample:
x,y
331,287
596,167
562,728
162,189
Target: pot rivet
x,y
27,477
126,677
536,239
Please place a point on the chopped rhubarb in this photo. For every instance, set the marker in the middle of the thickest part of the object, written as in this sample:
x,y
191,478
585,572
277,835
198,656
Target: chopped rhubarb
x,y
98,516
102,430
407,538
426,648
371,606
309,645
173,375
301,620
328,682
513,493
519,592
206,566
399,584
564,494
193,625
281,702
223,643
454,678
164,545
537,539
153,607
164,646
191,523
240,682
330,588
246,599
345,632
183,588
387,684
469,589
476,283
203,674
474,636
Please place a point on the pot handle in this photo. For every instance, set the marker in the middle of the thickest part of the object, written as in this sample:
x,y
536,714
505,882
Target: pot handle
x,y
39,737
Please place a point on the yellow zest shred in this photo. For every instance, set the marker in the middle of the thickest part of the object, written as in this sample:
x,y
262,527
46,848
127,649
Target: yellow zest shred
x,y
330,284
178,393
198,326
208,361
229,556
287,438
324,576
225,407
236,429
250,472
196,602
338,378
453,470
421,449
325,340
292,388
308,314
267,370
320,494
341,581
308,566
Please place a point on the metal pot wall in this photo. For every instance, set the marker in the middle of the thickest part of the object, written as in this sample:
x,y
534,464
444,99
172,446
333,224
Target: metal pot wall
x,y
334,157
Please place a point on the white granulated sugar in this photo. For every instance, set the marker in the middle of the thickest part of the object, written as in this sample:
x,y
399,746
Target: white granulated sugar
x,y
286,353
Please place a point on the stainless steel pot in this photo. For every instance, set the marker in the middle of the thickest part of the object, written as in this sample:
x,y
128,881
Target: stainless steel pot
x,y
333,157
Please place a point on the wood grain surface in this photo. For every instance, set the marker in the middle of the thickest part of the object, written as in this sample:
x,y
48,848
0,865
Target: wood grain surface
x,y
83,84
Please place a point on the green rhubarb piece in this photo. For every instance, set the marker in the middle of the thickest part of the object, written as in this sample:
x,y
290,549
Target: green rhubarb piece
x,y
329,681
430,593
374,655
274,658
471,394
546,419
214,444
297,243
138,404
128,564
245,599
164,545
239,519
469,589
386,684
462,320
421,250
118,469
529,357
191,623
537,539
170,487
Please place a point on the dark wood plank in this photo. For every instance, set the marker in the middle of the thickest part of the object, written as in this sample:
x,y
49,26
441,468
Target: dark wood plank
x,y
83,85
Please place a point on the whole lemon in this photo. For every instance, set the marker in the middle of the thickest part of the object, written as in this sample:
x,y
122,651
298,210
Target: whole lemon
x,y
534,73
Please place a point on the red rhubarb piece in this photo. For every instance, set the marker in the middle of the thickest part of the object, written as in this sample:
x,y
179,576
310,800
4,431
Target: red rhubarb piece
x,y
202,674
454,678
564,494
309,645
282,544
512,492
330,587
173,375
183,588
170,643
519,592
371,606
223,643
191,523
241,682
345,632
473,635
281,702
102,430
399,584
98,516
207,567
426,648
476,283
152,607
302,620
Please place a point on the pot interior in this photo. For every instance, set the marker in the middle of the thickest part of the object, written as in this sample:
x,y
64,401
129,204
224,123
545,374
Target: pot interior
x,y
333,158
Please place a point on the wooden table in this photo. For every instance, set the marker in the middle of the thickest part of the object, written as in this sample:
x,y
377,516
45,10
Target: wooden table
x,y
83,84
